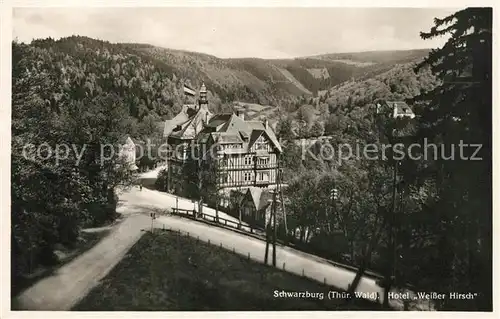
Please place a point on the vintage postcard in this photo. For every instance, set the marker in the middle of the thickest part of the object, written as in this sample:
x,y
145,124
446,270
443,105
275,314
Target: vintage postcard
x,y
250,159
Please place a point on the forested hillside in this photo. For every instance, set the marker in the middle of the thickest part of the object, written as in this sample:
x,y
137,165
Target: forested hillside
x,y
149,79
424,219
86,93
249,80
352,103
84,67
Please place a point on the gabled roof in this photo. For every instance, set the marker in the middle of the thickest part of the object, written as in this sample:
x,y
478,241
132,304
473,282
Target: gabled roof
x,y
244,135
258,125
265,199
273,138
179,119
254,193
219,119
261,198
254,137
226,138
194,125
200,125
126,139
236,125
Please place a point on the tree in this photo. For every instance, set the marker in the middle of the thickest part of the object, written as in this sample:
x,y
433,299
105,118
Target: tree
x,y
331,124
323,108
306,113
317,129
70,181
284,129
201,177
459,111
303,206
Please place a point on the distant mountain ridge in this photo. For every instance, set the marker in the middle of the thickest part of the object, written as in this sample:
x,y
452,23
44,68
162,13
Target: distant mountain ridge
x,y
150,77
373,57
298,76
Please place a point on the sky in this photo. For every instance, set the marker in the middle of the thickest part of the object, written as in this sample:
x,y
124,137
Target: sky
x,y
239,32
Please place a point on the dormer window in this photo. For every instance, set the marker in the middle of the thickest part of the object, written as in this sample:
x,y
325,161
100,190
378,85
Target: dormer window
x,y
261,146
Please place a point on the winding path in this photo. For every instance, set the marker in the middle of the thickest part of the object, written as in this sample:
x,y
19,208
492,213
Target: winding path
x,y
73,281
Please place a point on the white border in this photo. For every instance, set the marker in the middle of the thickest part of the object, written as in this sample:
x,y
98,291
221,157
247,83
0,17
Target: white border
x,y
5,113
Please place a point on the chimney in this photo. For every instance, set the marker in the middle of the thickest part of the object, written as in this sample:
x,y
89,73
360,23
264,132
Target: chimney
x,y
240,114
266,124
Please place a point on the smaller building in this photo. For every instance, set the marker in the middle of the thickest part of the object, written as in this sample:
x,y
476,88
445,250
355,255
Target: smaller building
x,y
127,153
256,206
402,123
398,109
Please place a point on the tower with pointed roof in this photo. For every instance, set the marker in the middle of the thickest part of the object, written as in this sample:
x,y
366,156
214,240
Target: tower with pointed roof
x,y
203,101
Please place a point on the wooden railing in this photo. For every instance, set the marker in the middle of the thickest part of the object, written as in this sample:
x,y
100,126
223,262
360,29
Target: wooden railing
x,y
193,214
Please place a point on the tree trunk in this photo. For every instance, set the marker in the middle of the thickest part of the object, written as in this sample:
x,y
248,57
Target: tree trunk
x,y
200,206
364,262
391,243
217,210
351,244
267,245
274,231
239,217
308,236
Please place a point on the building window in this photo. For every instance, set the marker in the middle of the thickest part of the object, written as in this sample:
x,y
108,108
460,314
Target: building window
x,y
247,177
223,162
261,145
263,161
248,160
263,176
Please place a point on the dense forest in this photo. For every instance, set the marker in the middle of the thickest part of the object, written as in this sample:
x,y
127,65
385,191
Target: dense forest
x,y
352,103
424,221
79,91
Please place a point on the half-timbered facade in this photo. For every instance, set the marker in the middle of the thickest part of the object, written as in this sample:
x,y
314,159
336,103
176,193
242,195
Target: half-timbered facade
x,y
245,152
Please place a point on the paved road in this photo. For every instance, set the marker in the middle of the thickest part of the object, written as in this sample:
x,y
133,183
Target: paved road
x,y
295,261
74,280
